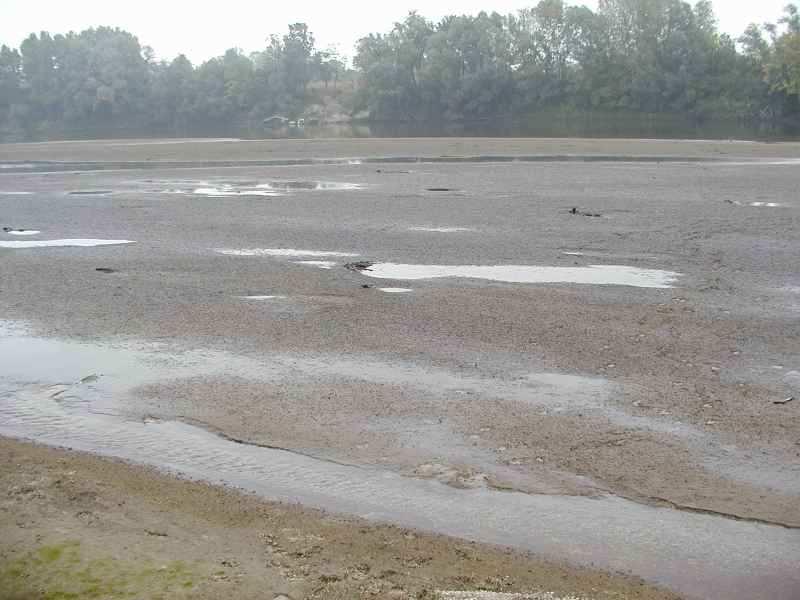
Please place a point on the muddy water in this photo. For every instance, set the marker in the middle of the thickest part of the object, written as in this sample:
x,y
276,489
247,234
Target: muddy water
x,y
74,394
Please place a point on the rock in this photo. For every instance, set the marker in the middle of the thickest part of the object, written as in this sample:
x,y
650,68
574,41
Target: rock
x,y
581,213
155,533
358,266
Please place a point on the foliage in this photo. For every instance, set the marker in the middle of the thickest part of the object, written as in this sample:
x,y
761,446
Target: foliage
x,y
649,56
644,56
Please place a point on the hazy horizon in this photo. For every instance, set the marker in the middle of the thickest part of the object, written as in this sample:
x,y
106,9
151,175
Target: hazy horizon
x,y
200,32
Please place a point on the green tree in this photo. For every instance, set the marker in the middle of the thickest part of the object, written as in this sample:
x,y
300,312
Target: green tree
x,y
12,92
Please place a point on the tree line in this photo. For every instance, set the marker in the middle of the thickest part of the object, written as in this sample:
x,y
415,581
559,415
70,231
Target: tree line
x,y
641,56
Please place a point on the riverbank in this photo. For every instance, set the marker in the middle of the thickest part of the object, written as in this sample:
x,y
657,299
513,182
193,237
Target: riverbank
x,y
76,524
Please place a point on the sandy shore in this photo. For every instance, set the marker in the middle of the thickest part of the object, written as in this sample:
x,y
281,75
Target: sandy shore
x,y
75,524
250,150
219,317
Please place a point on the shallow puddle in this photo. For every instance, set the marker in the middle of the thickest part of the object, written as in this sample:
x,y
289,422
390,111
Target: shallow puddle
x,y
593,274
320,264
6,193
70,243
441,229
395,290
334,186
90,193
225,191
766,204
27,358
17,165
22,232
261,297
72,394
281,252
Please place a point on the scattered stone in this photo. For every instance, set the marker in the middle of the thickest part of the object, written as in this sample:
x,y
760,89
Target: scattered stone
x,y
440,189
105,270
155,533
784,401
581,213
366,286
358,266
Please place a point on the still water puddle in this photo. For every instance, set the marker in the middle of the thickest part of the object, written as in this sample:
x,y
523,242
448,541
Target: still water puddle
x,y
395,290
320,264
441,229
766,204
70,243
315,186
66,393
227,189
8,193
281,252
22,232
224,191
17,165
593,274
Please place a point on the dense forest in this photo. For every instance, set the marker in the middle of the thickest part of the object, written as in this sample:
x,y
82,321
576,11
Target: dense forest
x,y
632,56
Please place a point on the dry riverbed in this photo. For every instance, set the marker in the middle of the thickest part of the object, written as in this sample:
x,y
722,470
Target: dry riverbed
x,y
586,349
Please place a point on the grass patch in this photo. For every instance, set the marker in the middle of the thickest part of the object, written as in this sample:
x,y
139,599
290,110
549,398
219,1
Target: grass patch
x,y
60,572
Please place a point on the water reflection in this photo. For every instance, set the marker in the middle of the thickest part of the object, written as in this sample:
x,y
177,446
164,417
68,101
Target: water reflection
x,y
551,123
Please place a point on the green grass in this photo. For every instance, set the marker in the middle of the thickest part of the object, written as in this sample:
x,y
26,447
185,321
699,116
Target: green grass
x,y
60,572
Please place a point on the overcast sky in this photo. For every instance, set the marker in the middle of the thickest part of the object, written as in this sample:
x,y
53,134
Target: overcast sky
x,y
202,30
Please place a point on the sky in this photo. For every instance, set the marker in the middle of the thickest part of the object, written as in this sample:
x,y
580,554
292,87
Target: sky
x,y
203,30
